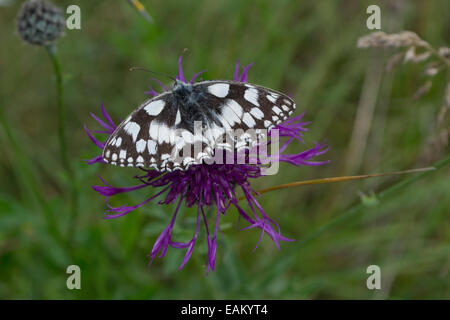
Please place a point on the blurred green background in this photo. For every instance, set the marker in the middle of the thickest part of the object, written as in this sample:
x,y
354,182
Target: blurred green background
x,y
368,117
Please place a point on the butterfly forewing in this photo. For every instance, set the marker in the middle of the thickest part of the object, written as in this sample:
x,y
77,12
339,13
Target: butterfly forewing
x,y
254,106
160,133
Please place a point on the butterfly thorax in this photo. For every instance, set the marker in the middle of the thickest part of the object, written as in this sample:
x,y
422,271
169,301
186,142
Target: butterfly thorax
x,y
182,91
189,102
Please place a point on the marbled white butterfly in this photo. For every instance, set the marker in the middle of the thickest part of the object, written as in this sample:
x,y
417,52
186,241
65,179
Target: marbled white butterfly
x,y
155,134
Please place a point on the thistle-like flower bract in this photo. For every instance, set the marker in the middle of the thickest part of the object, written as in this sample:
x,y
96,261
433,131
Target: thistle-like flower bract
x,y
207,186
39,22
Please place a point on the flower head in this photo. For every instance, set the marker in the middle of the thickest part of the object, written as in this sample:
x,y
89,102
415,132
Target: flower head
x,y
39,22
207,185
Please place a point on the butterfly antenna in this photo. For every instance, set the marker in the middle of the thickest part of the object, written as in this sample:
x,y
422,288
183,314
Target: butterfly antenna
x,y
154,72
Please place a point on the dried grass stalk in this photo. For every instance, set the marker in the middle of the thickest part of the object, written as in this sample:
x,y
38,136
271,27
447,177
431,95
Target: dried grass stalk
x,y
403,39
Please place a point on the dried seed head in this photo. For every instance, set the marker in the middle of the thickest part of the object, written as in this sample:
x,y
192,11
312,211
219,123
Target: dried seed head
x,y
39,22
395,40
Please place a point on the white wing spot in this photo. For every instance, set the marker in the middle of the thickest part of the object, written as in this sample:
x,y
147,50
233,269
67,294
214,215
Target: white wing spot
x,y
229,115
271,98
114,156
277,110
152,146
285,108
257,113
267,123
155,107
140,146
236,107
163,133
251,95
123,154
178,118
220,90
153,130
118,142
248,120
132,128
154,166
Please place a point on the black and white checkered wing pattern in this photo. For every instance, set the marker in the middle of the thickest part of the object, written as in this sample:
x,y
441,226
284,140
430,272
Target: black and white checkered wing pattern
x,y
247,106
160,133
248,111
145,137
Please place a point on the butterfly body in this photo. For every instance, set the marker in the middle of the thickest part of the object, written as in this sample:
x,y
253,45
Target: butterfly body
x,y
154,134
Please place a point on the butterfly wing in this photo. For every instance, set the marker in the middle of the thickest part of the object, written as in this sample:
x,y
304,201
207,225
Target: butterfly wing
x,y
159,134
141,139
247,106
246,109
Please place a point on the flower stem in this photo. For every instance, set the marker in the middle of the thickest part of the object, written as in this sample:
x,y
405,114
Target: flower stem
x,y
341,179
62,137
62,113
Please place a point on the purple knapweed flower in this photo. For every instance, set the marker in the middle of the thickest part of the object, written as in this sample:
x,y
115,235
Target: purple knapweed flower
x,y
207,185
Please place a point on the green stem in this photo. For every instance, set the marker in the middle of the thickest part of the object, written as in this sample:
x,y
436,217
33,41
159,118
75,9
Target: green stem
x,y
62,113
62,137
290,255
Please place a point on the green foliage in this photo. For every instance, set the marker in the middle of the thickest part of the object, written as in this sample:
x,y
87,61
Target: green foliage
x,y
307,48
